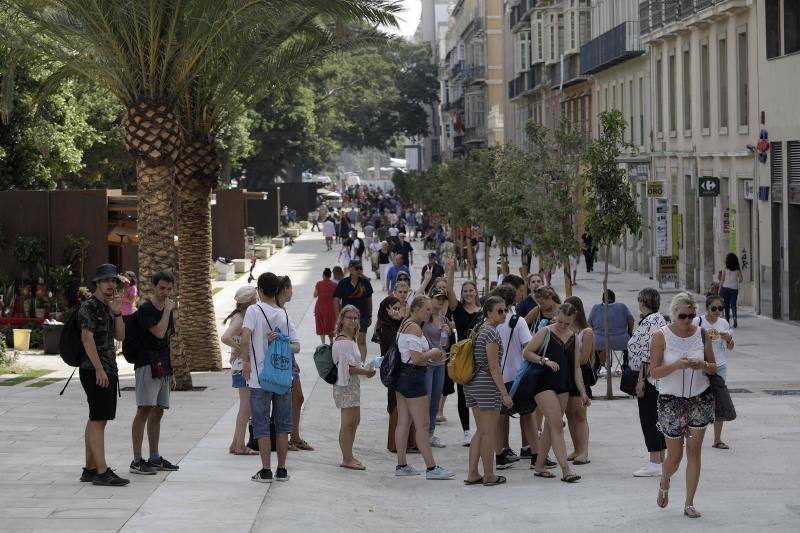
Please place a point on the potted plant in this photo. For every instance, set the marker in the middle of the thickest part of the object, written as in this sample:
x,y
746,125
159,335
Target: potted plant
x,y
59,282
29,252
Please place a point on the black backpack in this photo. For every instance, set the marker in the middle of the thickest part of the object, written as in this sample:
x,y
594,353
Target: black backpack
x,y
134,339
70,345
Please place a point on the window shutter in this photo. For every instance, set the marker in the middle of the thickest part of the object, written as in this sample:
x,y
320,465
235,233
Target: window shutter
x,y
776,171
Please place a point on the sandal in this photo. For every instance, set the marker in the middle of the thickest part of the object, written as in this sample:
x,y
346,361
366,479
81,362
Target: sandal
x,y
691,512
246,451
301,445
579,462
478,481
663,494
545,474
292,448
356,466
570,478
720,446
499,480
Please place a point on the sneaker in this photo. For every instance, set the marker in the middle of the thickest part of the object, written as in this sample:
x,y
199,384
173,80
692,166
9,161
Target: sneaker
x,y
262,476
439,473
88,474
547,462
436,442
163,464
281,475
649,470
405,470
502,462
142,467
525,453
467,438
510,455
109,479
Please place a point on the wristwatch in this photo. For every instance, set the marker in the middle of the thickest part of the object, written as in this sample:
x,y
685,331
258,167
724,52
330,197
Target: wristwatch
x,y
544,360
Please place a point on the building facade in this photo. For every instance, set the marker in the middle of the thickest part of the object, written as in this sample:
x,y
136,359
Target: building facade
x,y
778,170
471,76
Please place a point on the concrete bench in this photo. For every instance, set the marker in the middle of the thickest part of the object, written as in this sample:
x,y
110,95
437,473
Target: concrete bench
x,y
239,266
263,251
304,224
278,242
293,232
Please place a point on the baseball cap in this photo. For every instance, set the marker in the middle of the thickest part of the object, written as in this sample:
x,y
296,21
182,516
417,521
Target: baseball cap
x,y
439,293
354,263
245,294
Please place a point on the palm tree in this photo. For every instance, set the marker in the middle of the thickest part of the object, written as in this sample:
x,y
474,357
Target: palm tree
x,y
268,52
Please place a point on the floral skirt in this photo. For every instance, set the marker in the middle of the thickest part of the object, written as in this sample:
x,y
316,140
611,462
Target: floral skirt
x,y
677,414
349,395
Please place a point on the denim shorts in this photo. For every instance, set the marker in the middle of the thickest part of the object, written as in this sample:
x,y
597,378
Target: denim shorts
x,y
265,403
238,380
410,381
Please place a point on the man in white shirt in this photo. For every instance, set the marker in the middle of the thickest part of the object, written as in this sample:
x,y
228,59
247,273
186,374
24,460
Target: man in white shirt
x,y
261,324
329,231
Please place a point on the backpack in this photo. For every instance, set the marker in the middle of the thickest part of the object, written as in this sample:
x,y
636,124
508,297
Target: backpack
x,y
391,362
70,345
461,363
134,339
276,374
323,360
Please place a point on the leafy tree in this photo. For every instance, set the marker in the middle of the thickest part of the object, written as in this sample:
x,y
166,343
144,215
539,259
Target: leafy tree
x,y
556,201
610,200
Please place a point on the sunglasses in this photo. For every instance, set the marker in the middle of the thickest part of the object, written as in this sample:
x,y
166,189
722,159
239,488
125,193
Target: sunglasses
x,y
501,311
683,316
715,308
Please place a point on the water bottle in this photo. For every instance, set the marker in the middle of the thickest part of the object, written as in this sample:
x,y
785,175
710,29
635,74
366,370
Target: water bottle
x,y
444,336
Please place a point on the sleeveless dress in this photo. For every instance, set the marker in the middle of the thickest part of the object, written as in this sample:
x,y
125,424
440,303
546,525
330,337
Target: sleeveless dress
x,y
559,352
324,315
481,391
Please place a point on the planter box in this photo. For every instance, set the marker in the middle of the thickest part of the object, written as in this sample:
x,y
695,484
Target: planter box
x,y
239,266
225,271
278,242
293,232
263,251
304,224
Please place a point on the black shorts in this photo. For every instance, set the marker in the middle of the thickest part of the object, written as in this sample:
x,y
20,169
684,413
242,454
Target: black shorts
x,y
364,324
102,402
411,380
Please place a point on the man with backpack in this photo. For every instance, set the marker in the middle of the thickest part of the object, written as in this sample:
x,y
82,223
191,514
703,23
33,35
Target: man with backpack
x,y
153,327
263,322
100,322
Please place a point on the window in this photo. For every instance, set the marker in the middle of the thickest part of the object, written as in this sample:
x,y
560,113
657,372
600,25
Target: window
x,y
659,96
773,28
722,81
572,30
791,26
605,99
539,51
614,96
523,51
641,112
687,89
552,40
742,85
631,99
706,88
673,88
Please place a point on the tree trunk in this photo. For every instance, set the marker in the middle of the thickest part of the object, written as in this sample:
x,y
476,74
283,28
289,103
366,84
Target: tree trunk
x,y
461,252
470,257
609,355
197,172
487,262
567,279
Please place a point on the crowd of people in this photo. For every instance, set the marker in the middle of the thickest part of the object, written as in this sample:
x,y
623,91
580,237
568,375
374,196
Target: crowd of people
x,y
520,328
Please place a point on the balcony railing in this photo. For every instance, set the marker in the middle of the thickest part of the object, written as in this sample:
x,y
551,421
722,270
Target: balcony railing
x,y
475,73
612,47
521,12
458,67
476,134
571,72
453,105
653,14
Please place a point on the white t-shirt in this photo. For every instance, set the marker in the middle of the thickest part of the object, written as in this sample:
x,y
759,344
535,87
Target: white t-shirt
x,y
731,279
329,229
408,342
393,232
345,354
713,331
255,322
512,354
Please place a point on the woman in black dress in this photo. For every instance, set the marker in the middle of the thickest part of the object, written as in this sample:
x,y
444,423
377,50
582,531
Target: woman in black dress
x,y
466,314
562,373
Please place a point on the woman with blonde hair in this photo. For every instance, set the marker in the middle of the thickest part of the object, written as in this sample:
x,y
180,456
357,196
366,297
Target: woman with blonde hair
x,y
576,410
681,357
244,298
347,390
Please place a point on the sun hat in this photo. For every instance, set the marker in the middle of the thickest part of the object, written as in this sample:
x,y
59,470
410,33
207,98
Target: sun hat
x,y
245,294
105,271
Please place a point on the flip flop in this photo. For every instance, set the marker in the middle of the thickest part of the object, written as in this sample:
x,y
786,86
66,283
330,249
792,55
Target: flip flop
x,y
354,467
498,481
577,462
570,478
721,446
247,451
545,474
478,481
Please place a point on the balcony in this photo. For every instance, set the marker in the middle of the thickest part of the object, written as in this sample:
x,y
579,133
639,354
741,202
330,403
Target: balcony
x,y
475,74
475,135
516,86
521,13
614,46
454,105
458,67
571,74
655,14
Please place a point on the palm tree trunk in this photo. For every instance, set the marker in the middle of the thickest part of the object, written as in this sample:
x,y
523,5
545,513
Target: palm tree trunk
x,y
197,168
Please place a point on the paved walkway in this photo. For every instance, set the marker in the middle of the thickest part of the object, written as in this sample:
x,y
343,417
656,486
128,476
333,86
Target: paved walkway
x,y
753,486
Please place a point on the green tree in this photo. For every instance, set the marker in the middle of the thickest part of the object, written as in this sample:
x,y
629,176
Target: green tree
x,y
610,200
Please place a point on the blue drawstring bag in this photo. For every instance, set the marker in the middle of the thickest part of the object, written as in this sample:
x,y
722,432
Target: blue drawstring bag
x,y
276,374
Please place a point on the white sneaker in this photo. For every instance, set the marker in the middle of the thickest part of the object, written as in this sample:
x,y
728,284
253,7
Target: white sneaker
x,y
467,439
649,470
436,442
439,473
